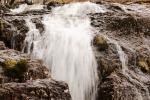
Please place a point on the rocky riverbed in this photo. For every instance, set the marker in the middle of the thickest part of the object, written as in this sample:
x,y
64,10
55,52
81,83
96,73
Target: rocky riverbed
x,y
121,45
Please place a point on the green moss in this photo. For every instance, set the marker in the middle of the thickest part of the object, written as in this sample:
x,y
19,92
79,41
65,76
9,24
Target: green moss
x,y
14,68
10,64
143,65
100,42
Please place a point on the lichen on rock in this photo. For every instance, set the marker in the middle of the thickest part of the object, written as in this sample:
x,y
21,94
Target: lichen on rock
x,y
15,69
100,42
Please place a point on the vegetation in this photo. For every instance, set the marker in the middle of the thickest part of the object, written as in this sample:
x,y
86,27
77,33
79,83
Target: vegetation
x,y
13,68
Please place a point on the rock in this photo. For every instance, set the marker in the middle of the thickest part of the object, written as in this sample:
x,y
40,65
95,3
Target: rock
x,y
18,67
45,89
22,30
38,24
53,4
9,32
100,42
4,9
15,69
2,45
36,70
29,2
123,67
24,78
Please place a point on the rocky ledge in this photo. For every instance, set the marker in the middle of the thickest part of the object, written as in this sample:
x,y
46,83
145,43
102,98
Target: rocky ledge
x,y
122,49
22,78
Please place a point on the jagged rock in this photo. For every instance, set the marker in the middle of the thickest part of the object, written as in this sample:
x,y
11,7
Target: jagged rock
x,y
13,29
38,24
53,4
24,78
18,67
2,45
45,89
108,61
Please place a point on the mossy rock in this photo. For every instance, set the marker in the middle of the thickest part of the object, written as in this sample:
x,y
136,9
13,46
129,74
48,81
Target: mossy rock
x,y
100,42
144,66
15,69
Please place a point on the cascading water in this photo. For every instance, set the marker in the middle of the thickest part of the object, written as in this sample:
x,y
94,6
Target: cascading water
x,y
65,46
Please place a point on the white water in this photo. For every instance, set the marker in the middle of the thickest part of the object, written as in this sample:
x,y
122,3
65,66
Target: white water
x,y
65,47
32,36
25,7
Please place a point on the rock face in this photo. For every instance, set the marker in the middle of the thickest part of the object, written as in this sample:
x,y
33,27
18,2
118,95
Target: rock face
x,y
124,68
39,89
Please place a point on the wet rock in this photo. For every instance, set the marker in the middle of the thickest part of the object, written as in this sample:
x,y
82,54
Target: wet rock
x,y
22,29
38,24
108,60
53,4
13,32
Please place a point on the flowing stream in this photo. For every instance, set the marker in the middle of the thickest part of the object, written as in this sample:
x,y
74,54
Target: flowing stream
x,y
65,47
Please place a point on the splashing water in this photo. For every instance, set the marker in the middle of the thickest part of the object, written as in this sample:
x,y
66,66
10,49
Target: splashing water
x,y
65,47
32,36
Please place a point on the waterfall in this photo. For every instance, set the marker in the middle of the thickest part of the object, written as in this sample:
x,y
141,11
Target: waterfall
x,y
65,47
